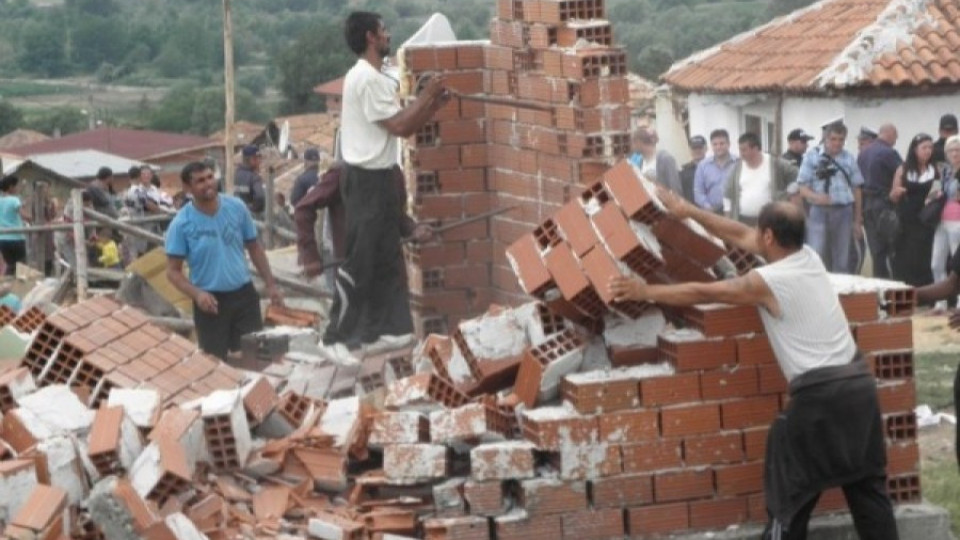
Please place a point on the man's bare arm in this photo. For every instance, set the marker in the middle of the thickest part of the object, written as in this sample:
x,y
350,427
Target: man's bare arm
x,y
728,230
748,290
406,122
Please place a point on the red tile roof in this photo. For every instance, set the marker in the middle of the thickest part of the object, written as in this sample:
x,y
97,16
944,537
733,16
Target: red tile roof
x,y
129,143
834,44
330,88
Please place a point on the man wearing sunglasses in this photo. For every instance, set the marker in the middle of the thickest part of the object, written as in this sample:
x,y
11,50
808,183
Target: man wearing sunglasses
x,y
211,234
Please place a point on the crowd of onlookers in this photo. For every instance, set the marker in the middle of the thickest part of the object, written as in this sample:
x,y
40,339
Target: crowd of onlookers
x,y
903,210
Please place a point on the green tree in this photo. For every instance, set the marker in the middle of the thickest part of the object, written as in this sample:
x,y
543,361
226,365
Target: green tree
x,y
317,56
11,117
42,49
63,119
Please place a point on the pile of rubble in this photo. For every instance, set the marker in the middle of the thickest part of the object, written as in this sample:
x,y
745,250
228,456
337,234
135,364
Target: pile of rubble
x,y
567,417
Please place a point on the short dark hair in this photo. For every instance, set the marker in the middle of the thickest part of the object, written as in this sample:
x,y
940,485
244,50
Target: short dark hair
x,y
786,221
8,182
837,128
750,138
190,169
355,31
134,172
719,133
104,172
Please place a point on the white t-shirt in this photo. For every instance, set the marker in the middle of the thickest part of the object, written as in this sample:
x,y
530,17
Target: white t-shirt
x,y
812,330
368,97
755,189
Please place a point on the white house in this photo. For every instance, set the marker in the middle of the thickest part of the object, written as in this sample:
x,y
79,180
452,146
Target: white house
x,y
865,61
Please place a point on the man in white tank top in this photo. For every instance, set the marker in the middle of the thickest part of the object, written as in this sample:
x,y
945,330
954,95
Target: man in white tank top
x,y
811,338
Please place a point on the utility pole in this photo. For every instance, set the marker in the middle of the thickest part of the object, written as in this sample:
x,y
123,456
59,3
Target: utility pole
x,y
228,137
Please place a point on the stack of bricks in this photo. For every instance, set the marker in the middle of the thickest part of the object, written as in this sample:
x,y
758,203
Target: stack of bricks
x,y
555,117
99,345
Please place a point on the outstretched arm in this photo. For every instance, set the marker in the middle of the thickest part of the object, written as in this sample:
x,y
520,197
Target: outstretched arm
x,y
728,230
748,290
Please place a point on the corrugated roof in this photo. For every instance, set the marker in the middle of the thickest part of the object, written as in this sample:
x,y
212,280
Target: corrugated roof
x,y
83,163
128,143
834,44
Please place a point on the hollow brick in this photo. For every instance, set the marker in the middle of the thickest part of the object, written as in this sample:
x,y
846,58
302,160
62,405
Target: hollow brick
x,y
651,456
739,479
724,447
718,513
689,420
683,485
749,412
658,519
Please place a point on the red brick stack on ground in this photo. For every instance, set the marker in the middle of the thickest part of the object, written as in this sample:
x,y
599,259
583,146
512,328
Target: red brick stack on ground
x,y
561,120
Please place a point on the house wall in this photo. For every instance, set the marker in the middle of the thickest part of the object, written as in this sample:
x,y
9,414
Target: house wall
x,y
911,115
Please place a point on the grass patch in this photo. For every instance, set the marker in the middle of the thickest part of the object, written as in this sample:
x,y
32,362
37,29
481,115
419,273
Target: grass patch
x,y
19,88
934,374
940,487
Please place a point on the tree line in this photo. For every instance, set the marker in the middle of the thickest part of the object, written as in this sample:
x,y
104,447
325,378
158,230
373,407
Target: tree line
x,y
293,45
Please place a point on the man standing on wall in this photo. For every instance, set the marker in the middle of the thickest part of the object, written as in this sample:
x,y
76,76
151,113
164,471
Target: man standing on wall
x,y
831,433
831,182
210,234
371,306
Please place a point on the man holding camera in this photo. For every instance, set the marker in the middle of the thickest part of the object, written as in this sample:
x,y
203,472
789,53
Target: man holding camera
x,y
831,182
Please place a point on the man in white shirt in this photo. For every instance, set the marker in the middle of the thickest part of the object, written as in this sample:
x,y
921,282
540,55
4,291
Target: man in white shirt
x,y
757,179
371,306
831,433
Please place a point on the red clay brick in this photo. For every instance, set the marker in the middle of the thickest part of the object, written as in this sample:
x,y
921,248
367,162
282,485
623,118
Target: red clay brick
x,y
470,56
755,442
622,491
430,58
689,355
593,524
546,496
684,485
658,519
750,412
897,396
718,513
903,458
771,378
670,390
462,132
739,479
860,307
889,335
652,456
712,449
512,527
717,320
629,426
689,420
724,384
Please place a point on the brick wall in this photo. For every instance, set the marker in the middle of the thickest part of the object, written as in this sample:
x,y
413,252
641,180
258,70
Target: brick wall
x,y
563,120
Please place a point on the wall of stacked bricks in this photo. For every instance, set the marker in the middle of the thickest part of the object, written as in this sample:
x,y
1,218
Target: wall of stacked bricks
x,y
474,157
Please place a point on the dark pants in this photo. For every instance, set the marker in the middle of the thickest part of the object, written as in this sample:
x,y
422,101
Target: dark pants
x,y
869,505
879,242
238,313
372,297
13,251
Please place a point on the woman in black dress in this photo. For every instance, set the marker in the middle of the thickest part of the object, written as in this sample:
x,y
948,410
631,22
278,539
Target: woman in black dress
x,y
911,186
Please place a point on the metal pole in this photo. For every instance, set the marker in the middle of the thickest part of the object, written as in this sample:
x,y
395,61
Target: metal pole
x,y
269,209
228,137
79,244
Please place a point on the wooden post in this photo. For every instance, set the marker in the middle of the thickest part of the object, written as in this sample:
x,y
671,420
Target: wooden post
x,y
229,167
38,240
79,244
268,214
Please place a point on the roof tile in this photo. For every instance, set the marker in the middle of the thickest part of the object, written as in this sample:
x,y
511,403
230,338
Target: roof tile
x,y
807,50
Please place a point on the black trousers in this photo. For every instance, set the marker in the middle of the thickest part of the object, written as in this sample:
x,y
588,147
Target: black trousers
x,y
13,251
869,505
372,297
238,313
881,248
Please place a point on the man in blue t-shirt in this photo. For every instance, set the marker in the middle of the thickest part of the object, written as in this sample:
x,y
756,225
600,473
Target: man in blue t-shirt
x,y
210,234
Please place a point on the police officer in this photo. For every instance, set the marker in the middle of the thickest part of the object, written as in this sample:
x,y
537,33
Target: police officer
x,y
248,185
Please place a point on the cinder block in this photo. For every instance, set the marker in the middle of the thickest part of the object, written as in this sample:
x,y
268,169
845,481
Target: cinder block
x,y
414,463
226,430
161,471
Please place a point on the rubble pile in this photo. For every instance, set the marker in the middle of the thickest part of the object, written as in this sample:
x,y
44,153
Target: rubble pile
x,y
571,416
